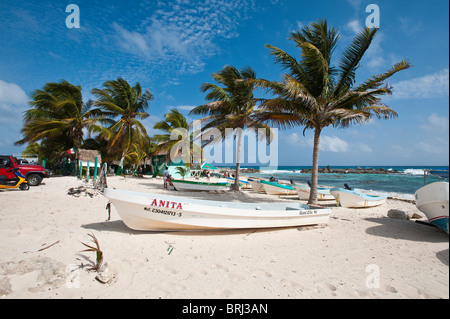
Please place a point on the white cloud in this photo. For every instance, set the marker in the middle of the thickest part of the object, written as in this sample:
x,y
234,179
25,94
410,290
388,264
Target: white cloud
x,y
11,93
375,53
181,34
13,101
438,146
356,4
435,122
182,107
132,41
426,87
363,148
354,26
327,143
333,144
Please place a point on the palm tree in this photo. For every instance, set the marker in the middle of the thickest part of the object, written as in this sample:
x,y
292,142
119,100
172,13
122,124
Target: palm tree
x,y
119,99
315,94
59,115
232,106
175,130
182,170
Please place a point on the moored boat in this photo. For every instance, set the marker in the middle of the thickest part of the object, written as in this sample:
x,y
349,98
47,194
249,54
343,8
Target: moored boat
x,y
274,188
354,199
200,186
433,200
255,182
245,184
303,192
154,212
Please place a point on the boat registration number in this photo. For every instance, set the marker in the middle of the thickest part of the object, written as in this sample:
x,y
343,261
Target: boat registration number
x,y
163,211
308,212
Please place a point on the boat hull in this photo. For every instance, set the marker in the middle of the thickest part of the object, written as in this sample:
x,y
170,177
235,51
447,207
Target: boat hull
x,y
200,186
352,199
278,189
257,186
433,201
152,212
242,183
303,192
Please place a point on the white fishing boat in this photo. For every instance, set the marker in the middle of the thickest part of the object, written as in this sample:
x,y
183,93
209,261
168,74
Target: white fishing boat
x,y
244,184
432,200
154,212
354,199
200,186
274,188
255,182
303,192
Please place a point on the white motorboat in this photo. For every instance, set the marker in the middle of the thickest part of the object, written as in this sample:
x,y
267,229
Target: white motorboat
x,y
353,199
303,192
154,212
274,188
432,200
200,186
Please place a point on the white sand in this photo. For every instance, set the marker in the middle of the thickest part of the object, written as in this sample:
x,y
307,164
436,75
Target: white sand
x,y
42,230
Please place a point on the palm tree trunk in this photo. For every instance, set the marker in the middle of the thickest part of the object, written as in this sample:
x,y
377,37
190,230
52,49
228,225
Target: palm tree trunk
x,y
315,168
120,170
238,160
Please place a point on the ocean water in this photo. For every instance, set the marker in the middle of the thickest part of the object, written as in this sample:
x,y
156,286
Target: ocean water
x,y
402,184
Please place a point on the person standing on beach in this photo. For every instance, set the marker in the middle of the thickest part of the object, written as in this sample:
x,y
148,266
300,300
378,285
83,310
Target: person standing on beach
x,y
165,175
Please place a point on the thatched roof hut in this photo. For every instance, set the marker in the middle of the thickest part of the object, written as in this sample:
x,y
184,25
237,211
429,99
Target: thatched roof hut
x,y
89,156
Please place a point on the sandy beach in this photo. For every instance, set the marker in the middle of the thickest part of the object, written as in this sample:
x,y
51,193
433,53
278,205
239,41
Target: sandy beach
x,y
361,253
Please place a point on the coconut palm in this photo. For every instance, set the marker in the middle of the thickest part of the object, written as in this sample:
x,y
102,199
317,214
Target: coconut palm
x,y
232,109
59,115
315,94
129,104
176,137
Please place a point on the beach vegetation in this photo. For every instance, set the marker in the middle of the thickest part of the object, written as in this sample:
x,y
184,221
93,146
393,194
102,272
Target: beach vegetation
x,y
175,138
98,252
315,93
182,170
124,106
232,108
58,118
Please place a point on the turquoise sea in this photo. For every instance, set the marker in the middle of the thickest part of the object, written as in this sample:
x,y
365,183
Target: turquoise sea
x,y
401,184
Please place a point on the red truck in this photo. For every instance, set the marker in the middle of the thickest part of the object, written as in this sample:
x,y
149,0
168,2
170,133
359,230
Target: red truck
x,y
33,173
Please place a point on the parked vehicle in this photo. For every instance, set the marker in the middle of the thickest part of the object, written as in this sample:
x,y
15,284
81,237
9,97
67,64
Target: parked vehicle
x,y
19,182
33,173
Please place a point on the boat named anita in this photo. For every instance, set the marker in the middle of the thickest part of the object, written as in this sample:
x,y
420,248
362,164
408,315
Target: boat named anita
x,y
154,212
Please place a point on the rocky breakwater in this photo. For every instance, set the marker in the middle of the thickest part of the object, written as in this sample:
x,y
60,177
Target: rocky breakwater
x,y
357,170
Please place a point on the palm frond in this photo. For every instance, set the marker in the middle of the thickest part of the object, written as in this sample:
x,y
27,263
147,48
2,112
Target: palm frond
x,y
351,57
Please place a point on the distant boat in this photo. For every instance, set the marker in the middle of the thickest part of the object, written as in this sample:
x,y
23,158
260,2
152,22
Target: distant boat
x,y
303,192
255,182
432,200
353,199
200,186
245,184
274,188
153,212
441,173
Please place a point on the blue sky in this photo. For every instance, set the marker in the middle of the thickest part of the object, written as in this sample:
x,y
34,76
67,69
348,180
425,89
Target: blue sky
x,y
172,47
